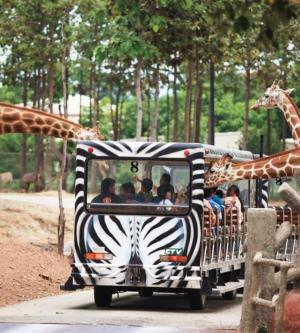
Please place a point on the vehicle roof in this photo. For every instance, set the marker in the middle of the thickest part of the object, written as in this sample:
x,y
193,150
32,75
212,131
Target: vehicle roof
x,y
211,152
215,152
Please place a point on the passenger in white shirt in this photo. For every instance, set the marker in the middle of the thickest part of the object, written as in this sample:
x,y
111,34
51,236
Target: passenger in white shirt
x,y
165,195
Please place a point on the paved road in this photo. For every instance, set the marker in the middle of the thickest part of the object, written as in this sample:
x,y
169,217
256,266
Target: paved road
x,y
127,310
163,313
59,328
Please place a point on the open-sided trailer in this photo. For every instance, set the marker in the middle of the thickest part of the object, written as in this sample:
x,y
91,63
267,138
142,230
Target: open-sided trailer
x,y
148,247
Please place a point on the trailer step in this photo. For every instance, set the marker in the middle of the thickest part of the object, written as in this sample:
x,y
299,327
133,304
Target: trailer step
x,y
229,286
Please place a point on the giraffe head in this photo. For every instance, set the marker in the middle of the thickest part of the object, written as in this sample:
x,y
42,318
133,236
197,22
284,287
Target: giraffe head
x,y
273,97
217,170
92,133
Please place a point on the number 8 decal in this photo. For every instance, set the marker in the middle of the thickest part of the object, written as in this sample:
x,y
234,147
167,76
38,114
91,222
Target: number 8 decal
x,y
134,167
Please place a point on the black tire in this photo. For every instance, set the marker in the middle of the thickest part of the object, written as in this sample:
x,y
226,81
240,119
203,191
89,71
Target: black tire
x,y
230,295
146,292
102,296
197,300
240,291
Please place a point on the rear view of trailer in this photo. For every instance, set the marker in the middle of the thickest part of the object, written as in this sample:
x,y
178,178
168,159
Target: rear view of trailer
x,y
138,246
127,245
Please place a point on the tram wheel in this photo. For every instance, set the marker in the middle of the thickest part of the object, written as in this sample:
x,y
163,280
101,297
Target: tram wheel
x,y
240,291
102,296
230,295
197,300
145,292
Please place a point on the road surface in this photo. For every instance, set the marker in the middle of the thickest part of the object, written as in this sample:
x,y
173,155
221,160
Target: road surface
x,y
163,311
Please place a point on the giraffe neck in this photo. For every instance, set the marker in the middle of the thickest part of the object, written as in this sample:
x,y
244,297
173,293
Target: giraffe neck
x,y
17,119
291,115
277,165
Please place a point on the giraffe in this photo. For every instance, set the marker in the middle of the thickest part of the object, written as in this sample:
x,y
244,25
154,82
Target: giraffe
x,y
18,119
273,97
273,166
221,164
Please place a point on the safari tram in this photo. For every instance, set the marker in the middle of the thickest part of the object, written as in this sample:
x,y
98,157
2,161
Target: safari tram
x,y
141,223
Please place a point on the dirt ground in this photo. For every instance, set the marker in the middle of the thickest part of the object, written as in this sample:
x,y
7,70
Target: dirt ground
x,y
30,271
29,264
33,222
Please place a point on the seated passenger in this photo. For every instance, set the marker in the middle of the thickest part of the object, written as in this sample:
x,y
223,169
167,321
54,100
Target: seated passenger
x,y
164,193
127,193
216,198
107,194
233,200
212,214
208,192
145,194
220,194
165,179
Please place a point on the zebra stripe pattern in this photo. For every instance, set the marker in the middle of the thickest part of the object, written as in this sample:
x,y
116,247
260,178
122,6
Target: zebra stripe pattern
x,y
136,242
265,193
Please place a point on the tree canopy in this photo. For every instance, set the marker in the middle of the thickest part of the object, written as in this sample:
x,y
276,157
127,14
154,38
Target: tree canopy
x,y
145,65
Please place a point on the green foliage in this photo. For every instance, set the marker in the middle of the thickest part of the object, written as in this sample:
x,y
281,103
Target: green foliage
x,y
10,94
108,38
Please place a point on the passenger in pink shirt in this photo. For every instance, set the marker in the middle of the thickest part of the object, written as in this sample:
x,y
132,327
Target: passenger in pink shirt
x,y
233,200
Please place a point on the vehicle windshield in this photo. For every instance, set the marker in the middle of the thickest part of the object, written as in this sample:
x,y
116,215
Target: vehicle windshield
x,y
138,187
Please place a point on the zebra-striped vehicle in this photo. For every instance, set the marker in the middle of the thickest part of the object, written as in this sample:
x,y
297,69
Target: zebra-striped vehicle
x,y
130,242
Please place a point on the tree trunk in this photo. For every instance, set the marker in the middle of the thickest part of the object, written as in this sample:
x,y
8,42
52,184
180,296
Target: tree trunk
x,y
113,115
246,108
155,111
148,112
168,112
94,95
62,218
80,91
50,141
23,153
117,112
112,118
91,95
24,136
175,106
188,99
198,104
121,116
94,102
211,116
138,93
97,94
39,149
